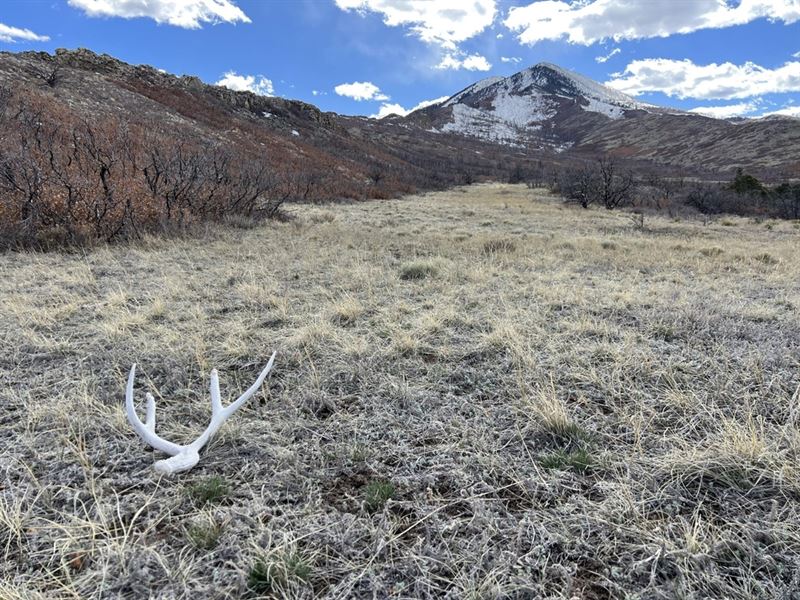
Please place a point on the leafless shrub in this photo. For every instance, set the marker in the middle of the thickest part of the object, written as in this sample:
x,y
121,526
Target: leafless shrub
x,y
517,174
66,180
615,188
578,184
637,220
600,182
51,75
786,200
664,189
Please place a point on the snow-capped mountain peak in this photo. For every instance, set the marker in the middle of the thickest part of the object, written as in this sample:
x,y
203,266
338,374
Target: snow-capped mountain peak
x,y
553,79
526,106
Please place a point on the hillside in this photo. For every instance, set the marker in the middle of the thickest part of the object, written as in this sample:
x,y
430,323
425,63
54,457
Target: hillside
x,y
351,157
543,114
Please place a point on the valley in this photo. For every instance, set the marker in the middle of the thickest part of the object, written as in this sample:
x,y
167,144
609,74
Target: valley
x,y
481,392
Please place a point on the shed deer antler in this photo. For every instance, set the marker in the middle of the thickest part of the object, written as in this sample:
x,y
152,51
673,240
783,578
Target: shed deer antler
x,y
185,457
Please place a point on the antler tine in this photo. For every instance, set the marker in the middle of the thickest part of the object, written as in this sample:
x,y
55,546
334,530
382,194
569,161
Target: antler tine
x,y
150,416
146,431
216,398
220,415
252,389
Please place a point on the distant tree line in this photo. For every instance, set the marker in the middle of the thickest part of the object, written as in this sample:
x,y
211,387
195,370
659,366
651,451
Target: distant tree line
x,y
746,195
604,182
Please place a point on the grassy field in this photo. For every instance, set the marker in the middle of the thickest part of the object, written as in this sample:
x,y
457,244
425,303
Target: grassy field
x,y
480,393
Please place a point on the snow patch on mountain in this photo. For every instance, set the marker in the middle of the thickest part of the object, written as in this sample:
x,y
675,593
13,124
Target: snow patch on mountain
x,y
604,108
477,123
521,110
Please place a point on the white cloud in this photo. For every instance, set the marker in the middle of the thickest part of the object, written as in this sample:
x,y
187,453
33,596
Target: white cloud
x,y
360,90
190,14
15,34
443,22
786,111
389,109
589,21
472,62
796,54
427,103
247,83
604,59
685,79
511,59
476,62
449,62
396,109
726,112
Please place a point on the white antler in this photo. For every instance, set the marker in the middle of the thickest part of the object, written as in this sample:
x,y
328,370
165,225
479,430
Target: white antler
x,y
185,457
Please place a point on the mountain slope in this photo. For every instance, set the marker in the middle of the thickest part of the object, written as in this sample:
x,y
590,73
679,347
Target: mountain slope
x,y
543,115
544,105
551,108
288,135
334,156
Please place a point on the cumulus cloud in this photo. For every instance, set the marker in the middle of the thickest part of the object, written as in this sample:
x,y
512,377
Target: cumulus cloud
x,y
725,81
360,90
443,22
586,22
605,59
15,34
389,109
786,111
396,109
726,112
247,83
511,59
471,62
190,14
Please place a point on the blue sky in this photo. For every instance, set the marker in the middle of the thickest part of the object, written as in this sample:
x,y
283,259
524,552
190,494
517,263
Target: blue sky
x,y
727,58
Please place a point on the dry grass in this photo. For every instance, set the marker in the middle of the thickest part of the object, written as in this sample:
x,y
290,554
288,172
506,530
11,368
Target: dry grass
x,y
559,406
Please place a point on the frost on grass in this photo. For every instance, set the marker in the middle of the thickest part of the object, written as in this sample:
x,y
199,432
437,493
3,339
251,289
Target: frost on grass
x,y
546,404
